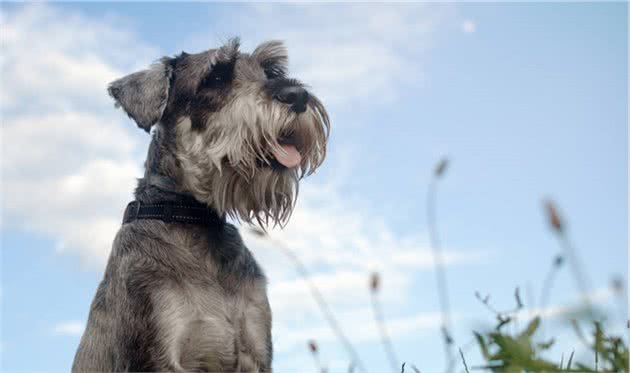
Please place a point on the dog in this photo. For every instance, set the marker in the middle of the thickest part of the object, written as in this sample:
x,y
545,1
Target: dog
x,y
232,136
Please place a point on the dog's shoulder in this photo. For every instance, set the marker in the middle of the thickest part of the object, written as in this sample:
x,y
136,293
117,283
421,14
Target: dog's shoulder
x,y
185,249
233,256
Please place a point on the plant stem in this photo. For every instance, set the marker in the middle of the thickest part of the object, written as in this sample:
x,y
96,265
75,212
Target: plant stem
x,y
387,343
464,360
547,285
576,267
440,273
318,364
323,306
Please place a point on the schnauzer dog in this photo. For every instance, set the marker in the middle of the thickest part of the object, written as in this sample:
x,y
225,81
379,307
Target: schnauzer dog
x,y
232,136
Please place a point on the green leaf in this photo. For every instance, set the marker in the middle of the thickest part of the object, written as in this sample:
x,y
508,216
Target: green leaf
x,y
482,346
546,345
532,327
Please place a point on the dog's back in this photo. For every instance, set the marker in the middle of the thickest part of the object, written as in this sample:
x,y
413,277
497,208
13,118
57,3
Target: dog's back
x,y
178,298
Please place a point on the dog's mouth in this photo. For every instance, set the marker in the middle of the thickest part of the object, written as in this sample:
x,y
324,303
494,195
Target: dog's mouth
x,y
287,155
283,156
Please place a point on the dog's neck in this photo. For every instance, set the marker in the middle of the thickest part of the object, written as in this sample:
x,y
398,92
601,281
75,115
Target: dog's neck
x,y
161,181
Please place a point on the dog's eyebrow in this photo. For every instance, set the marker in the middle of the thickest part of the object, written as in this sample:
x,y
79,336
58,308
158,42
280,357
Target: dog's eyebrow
x,y
227,53
271,53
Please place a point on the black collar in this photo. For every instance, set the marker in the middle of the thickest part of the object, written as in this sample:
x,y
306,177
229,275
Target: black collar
x,y
173,212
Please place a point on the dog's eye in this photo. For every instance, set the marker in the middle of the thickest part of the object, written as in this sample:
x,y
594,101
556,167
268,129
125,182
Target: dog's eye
x,y
218,76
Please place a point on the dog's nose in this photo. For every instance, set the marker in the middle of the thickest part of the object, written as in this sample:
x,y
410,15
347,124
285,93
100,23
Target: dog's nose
x,y
297,97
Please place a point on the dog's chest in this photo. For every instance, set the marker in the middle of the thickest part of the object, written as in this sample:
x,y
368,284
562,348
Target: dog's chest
x,y
205,328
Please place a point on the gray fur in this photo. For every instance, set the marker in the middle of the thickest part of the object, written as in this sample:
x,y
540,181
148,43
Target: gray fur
x,y
178,297
143,94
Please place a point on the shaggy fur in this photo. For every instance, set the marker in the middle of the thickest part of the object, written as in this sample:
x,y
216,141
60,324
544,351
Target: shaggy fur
x,y
179,297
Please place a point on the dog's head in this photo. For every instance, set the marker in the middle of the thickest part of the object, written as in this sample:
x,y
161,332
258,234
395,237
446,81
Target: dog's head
x,y
244,132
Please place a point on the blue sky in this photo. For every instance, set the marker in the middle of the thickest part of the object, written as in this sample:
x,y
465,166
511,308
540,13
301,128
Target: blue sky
x,y
529,101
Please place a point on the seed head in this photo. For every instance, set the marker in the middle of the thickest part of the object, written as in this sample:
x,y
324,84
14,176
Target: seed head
x,y
558,260
554,217
375,282
312,345
441,167
617,284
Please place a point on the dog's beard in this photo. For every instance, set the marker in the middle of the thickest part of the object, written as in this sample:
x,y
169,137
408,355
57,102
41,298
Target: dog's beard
x,y
230,164
267,196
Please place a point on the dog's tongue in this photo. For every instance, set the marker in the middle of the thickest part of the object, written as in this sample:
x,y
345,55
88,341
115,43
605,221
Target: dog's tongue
x,y
289,158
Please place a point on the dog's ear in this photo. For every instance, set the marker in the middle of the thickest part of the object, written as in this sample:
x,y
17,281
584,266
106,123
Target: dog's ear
x,y
144,94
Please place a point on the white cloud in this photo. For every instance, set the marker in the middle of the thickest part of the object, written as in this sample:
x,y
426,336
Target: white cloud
x,y
361,322
348,53
68,71
69,161
69,328
469,26
341,244
60,140
68,156
595,298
